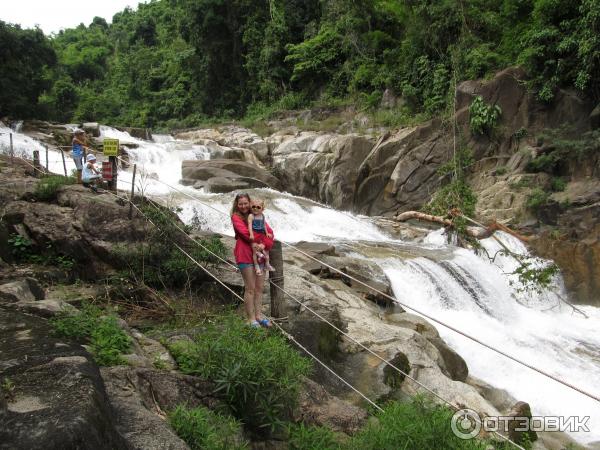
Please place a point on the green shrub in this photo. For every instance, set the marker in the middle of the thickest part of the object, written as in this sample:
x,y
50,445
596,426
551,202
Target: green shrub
x,y
537,199
107,340
20,247
501,170
558,184
483,117
256,373
203,429
304,437
48,186
417,424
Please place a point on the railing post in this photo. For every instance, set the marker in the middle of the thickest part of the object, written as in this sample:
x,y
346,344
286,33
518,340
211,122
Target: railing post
x,y
36,163
12,151
64,163
113,164
47,166
132,192
278,309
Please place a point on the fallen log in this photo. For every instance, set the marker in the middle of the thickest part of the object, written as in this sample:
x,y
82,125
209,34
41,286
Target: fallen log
x,y
482,232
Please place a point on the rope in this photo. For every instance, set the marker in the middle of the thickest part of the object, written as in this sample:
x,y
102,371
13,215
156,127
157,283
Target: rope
x,y
438,321
292,339
288,336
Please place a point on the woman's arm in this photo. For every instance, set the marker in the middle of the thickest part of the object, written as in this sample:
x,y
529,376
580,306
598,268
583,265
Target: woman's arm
x,y
240,228
250,230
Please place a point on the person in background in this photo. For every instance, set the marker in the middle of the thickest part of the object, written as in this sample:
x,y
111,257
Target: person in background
x,y
78,145
244,248
91,174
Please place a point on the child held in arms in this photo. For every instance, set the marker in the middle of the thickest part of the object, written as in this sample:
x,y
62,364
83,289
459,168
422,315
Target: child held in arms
x,y
259,234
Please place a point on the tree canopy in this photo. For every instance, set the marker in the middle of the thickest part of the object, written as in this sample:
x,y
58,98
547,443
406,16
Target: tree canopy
x,y
179,61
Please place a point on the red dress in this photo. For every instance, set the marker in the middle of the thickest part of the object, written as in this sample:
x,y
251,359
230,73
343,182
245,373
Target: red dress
x,y
243,244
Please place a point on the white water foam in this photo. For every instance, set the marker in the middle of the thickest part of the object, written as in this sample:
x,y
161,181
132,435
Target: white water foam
x,y
473,295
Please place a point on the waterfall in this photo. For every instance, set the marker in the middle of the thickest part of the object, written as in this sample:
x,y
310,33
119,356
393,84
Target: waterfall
x,y
455,285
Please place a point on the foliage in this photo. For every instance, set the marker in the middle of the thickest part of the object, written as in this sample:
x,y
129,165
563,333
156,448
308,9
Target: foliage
x,y
25,57
535,275
483,118
203,429
181,62
418,423
107,340
457,194
558,184
48,187
157,262
20,246
256,373
537,199
304,437
563,145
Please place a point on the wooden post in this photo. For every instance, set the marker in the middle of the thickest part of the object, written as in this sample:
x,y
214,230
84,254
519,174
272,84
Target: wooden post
x,y
278,309
12,151
36,163
47,167
64,163
132,191
113,163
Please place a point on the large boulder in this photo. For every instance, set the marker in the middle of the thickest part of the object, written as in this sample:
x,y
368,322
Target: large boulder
x,y
225,175
230,136
56,398
323,167
410,342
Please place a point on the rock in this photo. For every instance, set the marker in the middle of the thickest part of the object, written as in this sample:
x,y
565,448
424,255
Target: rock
x,y
388,99
595,118
317,248
26,290
366,323
140,399
91,128
323,167
153,351
453,364
140,133
44,308
230,136
58,400
319,408
224,174
521,412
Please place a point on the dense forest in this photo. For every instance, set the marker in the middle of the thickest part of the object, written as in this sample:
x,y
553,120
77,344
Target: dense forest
x,y
179,62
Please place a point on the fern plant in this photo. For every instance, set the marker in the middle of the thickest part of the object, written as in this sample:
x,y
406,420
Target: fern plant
x,y
483,117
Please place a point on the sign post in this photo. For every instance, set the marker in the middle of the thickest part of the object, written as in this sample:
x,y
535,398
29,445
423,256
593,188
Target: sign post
x,y
110,148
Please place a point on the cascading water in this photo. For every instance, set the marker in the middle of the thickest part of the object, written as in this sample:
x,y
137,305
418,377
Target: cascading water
x,y
452,284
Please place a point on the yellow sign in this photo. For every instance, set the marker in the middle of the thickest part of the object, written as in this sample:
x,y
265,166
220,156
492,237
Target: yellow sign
x,y
110,147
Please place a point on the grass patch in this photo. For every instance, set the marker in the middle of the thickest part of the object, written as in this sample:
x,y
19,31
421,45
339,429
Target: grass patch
x,y
107,340
203,429
257,373
416,424
48,187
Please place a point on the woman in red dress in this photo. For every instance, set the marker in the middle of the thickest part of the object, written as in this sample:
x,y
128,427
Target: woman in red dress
x,y
243,251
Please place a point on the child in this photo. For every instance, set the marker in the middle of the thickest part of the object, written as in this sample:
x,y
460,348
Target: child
x,y
90,174
258,233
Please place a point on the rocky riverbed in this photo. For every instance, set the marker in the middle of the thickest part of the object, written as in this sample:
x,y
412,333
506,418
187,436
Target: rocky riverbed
x,y
57,397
